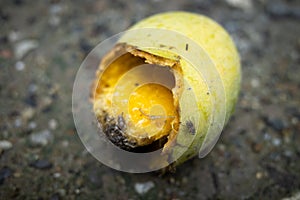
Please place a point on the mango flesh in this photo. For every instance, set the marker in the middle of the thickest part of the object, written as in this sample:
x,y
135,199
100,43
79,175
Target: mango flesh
x,y
139,93
151,107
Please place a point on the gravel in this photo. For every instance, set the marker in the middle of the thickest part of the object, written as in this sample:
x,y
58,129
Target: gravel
x,y
41,138
5,145
52,124
5,172
41,164
143,188
20,66
275,123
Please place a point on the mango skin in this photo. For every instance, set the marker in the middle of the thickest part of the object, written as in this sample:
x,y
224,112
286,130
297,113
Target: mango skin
x,y
217,43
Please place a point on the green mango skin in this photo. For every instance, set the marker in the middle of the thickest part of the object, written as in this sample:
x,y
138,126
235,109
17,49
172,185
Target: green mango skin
x,y
218,45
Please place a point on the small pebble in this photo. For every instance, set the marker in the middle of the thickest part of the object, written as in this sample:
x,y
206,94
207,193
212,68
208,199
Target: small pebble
x,y
172,180
23,47
32,88
221,147
56,175
55,9
243,4
45,103
276,142
65,143
28,113
281,9
5,145
294,121
17,174
259,175
41,138
85,46
257,147
62,192
31,100
14,36
77,191
5,172
54,20
94,178
275,123
288,153
255,83
32,125
41,164
185,180
55,197
18,122
20,66
181,193
142,188
267,136
5,53
53,90
52,124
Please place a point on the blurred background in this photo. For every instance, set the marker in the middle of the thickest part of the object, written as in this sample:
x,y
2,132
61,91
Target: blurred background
x,y
42,44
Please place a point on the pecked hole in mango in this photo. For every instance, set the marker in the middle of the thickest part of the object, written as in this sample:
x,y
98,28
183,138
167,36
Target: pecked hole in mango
x,y
136,98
